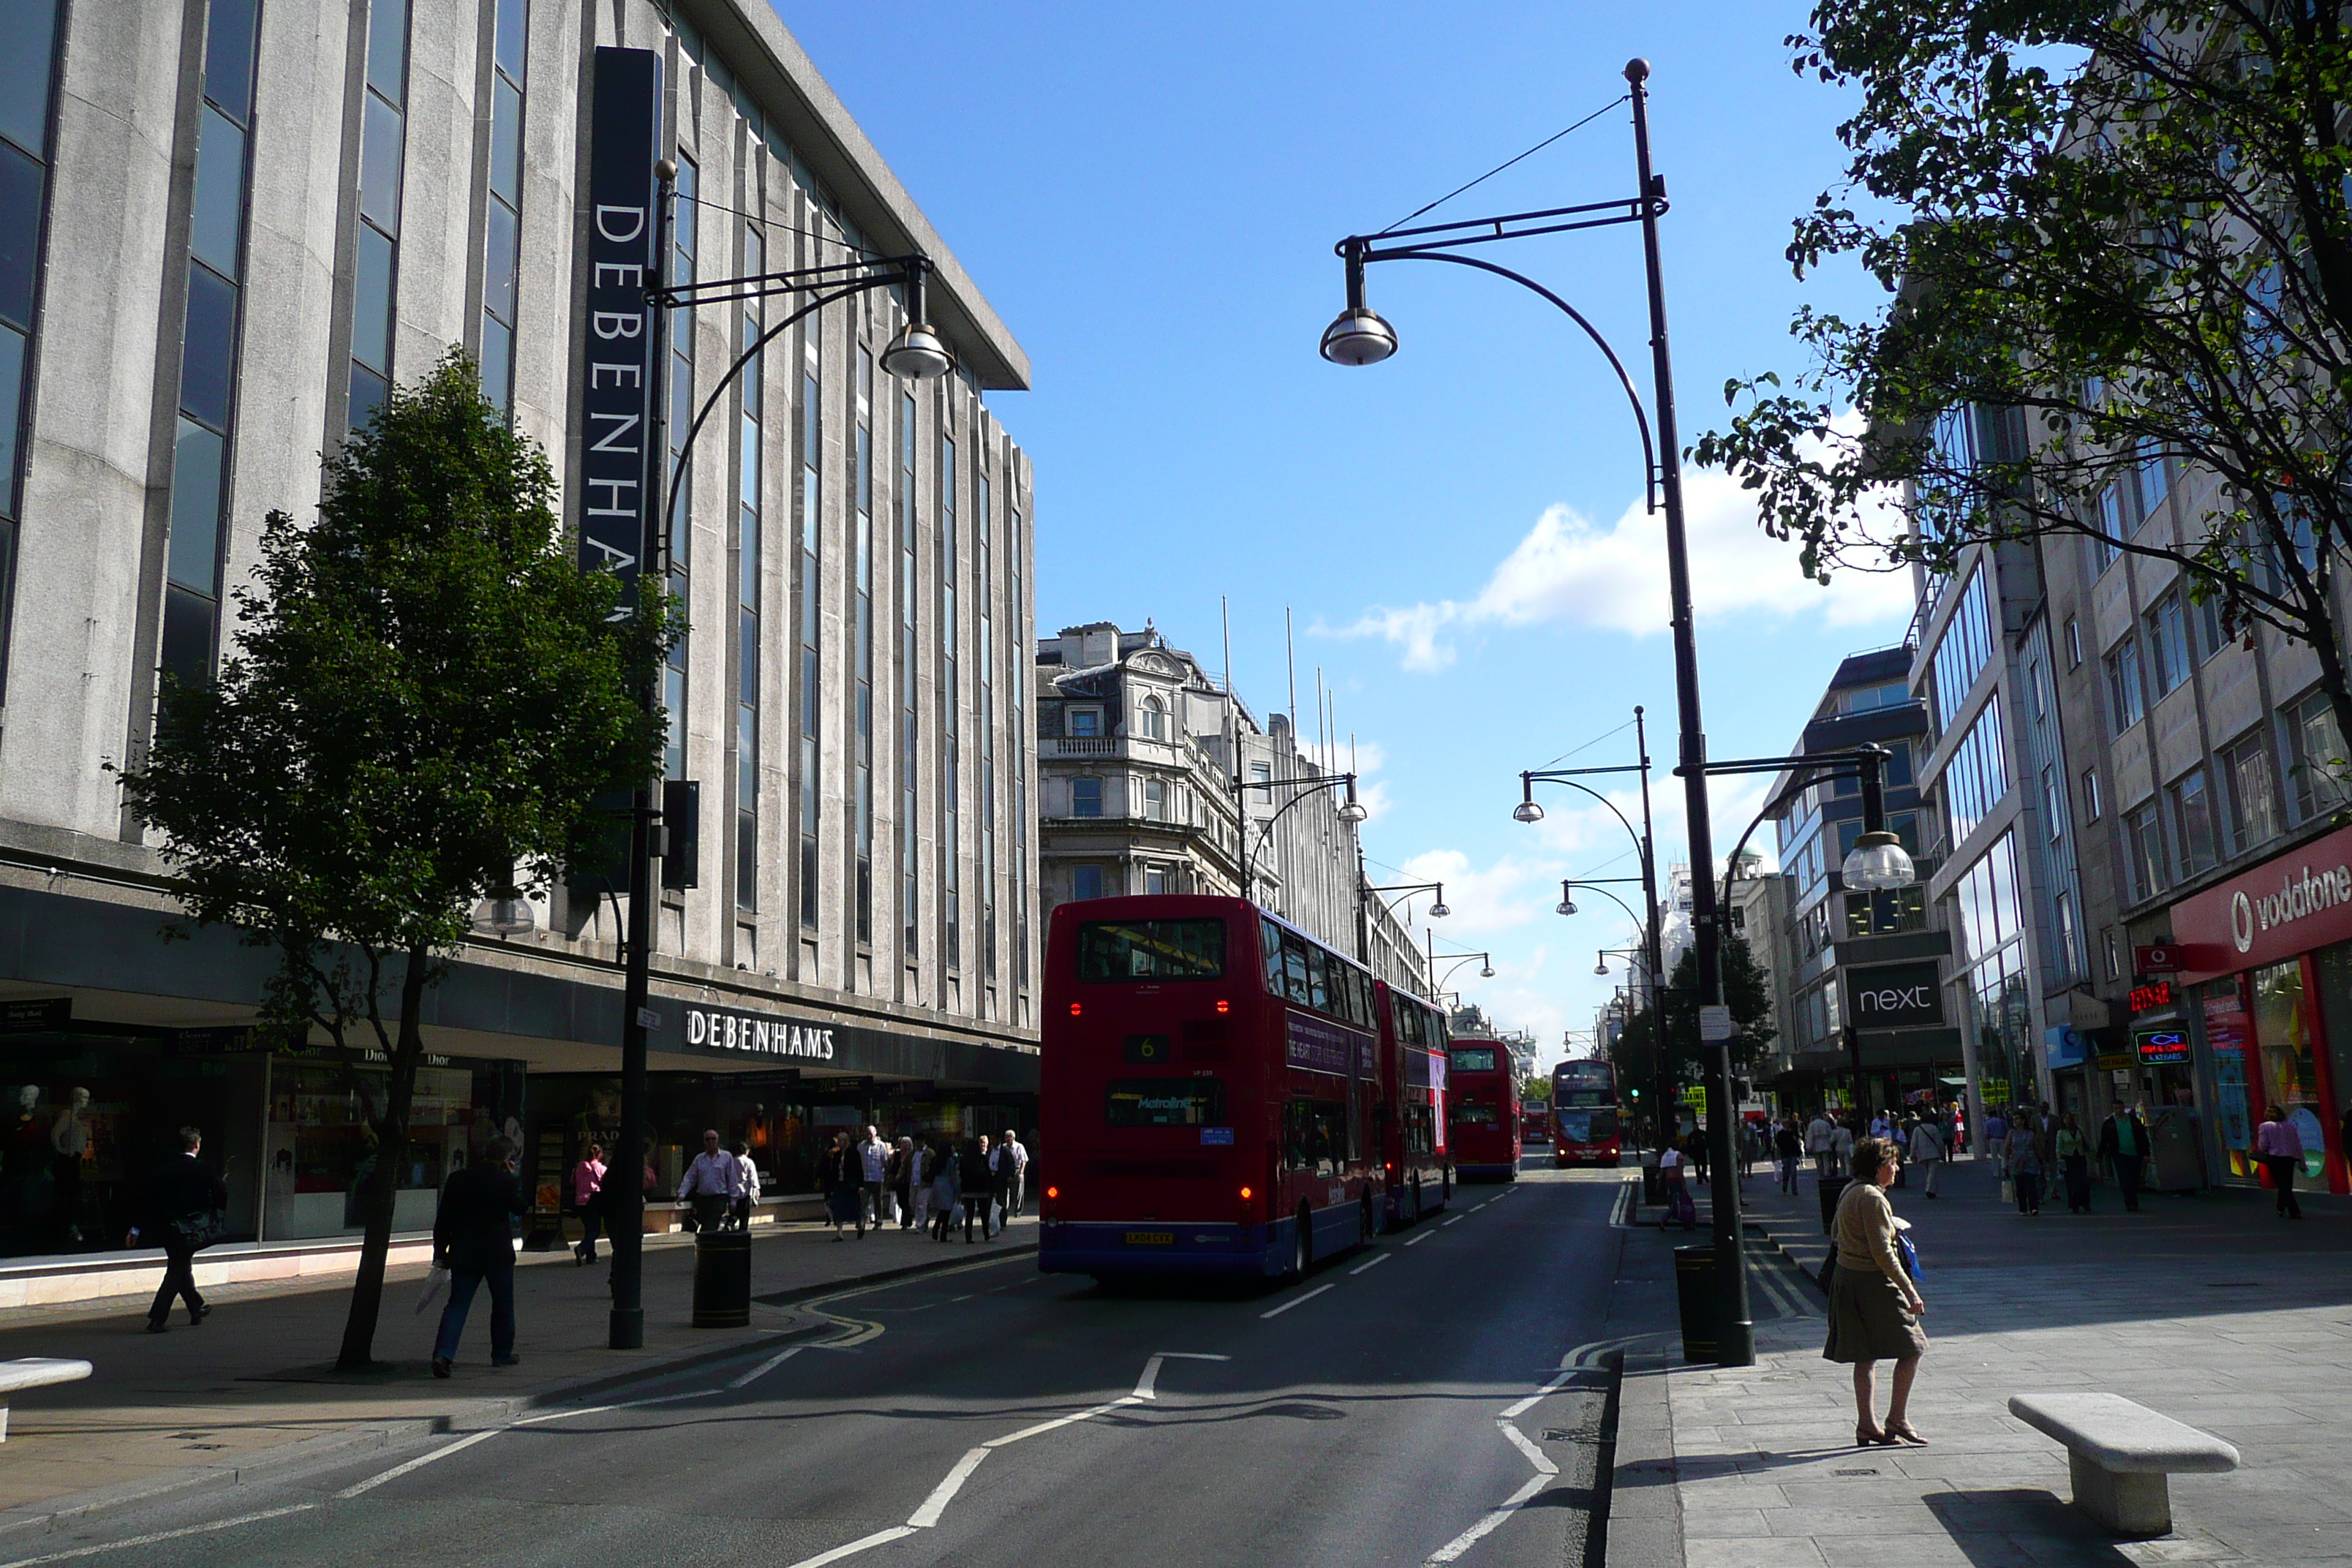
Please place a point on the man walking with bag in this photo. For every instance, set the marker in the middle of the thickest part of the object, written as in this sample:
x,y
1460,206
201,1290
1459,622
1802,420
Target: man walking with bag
x,y
712,1182
473,1238
186,1204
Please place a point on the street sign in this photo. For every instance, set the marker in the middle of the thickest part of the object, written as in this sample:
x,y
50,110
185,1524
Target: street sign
x,y
1695,1095
1715,1025
2160,959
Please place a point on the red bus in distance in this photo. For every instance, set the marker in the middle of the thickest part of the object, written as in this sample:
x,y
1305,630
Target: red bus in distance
x,y
1414,1087
1584,1120
1208,1088
1482,1118
1535,1122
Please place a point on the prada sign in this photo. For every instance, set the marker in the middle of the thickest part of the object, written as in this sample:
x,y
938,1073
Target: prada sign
x,y
1895,996
712,1029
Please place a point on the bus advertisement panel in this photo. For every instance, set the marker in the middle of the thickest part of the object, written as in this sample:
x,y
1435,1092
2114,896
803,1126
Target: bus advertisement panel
x,y
1209,1077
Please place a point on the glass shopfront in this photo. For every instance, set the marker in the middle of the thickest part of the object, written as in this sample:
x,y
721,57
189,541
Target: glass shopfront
x,y
322,1148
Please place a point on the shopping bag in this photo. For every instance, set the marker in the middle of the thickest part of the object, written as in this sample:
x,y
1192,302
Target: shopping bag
x,y
434,1283
2009,1189
2262,1175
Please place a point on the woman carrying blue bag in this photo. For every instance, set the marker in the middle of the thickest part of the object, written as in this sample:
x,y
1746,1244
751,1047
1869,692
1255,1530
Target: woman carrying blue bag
x,y
1874,1300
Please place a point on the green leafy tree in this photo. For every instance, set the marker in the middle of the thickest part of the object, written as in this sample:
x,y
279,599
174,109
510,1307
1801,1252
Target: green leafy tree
x,y
1746,991
2115,240
424,696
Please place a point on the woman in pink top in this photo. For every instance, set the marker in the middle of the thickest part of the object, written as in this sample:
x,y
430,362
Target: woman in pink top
x,y
2280,1147
588,1197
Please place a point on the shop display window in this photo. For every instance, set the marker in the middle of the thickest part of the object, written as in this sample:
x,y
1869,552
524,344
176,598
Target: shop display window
x,y
323,1146
2288,1076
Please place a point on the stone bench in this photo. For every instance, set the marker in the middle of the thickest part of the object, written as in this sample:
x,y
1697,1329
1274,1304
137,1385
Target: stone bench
x,y
35,1372
2118,1453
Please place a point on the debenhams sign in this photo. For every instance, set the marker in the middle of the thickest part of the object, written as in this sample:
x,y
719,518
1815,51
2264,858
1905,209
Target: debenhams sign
x,y
713,1030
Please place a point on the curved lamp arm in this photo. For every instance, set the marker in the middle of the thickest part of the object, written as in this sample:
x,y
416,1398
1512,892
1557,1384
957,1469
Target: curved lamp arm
x,y
1265,833
1526,792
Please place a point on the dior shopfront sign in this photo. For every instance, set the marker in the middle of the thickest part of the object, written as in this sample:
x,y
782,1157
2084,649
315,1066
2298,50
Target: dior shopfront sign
x,y
713,1029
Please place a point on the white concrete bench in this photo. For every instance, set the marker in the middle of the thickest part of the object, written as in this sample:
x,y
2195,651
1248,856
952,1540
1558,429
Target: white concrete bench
x,y
35,1372
2118,1453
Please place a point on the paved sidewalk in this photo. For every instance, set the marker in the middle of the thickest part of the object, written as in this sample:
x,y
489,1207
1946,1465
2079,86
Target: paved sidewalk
x,y
2207,1309
194,1405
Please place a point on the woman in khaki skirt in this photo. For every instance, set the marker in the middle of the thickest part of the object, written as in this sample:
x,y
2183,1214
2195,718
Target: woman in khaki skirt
x,y
1873,1306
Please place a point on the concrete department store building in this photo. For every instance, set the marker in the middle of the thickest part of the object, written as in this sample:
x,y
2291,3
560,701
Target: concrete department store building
x,y
226,227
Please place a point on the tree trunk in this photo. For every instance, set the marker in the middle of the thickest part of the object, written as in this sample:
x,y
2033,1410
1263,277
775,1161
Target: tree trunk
x,y
383,1185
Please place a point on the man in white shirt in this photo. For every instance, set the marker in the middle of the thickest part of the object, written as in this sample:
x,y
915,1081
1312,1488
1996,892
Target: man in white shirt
x,y
1018,1152
874,1160
1818,1133
750,1193
713,1183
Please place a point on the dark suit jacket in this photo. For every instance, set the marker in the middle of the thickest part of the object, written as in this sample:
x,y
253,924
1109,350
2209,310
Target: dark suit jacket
x,y
470,1230
180,1186
2109,1142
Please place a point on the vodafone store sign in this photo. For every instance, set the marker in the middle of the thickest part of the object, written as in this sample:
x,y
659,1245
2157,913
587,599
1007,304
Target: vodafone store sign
x,y
2301,900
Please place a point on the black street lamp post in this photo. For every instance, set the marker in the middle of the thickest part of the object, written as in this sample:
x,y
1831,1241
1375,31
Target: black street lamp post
x,y
916,353
1351,812
1358,336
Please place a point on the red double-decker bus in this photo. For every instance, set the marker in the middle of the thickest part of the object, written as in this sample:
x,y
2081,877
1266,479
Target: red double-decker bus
x,y
1208,1088
1482,1113
1584,1120
1414,1155
1535,1122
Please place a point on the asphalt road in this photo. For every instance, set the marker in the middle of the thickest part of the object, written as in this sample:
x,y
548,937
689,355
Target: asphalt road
x,y
1419,1400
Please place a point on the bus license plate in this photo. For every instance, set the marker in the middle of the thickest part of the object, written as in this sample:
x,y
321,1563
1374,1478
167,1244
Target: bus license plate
x,y
1151,1238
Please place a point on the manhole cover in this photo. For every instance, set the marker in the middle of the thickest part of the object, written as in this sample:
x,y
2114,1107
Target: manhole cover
x,y
1854,1472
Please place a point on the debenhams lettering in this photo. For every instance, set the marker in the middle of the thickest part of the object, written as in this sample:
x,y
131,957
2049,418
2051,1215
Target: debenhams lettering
x,y
761,1037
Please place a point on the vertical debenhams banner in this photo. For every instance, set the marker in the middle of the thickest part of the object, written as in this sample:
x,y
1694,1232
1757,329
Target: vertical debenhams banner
x,y
623,142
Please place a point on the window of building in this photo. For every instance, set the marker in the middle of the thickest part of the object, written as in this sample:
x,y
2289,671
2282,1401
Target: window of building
x,y
950,689
1896,770
2091,806
2053,805
1964,650
1085,881
502,226
2205,637
2070,946
2074,644
910,685
1155,879
1084,722
2316,769
861,647
746,588
2167,643
2192,823
374,264
984,627
1262,773
1155,799
1976,777
2144,843
2155,477
1086,797
2124,699
2115,955
2114,526
29,31
1155,719
2253,794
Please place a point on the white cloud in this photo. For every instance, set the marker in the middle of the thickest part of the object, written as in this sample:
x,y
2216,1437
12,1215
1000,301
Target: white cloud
x,y
1569,569
1363,758
1483,901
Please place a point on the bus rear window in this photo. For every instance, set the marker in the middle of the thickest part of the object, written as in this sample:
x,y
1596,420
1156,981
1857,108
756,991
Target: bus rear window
x,y
1151,949
1474,1061
1166,1103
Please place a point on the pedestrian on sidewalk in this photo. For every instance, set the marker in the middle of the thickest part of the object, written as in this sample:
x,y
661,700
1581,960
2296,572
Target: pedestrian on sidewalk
x,y
2022,1156
978,1179
1671,1162
1840,1149
1817,1143
588,1200
1874,1304
473,1239
1927,1153
2074,1162
873,1179
186,1206
2280,1147
914,1183
749,1196
1790,1144
947,1189
1017,1191
843,1174
2123,1144
1996,1133
895,1176
711,1184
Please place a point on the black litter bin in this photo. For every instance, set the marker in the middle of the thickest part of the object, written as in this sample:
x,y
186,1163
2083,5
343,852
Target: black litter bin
x,y
722,1279
1651,1194
1695,1291
1833,1188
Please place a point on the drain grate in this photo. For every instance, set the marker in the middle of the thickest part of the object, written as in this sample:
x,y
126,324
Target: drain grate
x,y
1854,1472
1557,1434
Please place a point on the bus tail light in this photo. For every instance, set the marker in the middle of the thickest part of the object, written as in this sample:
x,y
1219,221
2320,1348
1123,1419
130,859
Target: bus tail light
x,y
1245,1195
1224,1005
1053,1192
1073,1009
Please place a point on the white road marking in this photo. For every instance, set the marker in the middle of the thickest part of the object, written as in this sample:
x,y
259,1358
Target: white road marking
x,y
879,1538
185,1531
1143,1385
1545,1472
936,1505
1043,1427
1457,1219
1383,1257
1417,1240
1295,1301
1539,1397
1536,1457
767,1366
418,1463
1476,1207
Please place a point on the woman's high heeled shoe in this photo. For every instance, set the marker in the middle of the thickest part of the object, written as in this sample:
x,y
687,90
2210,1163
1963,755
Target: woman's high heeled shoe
x,y
1901,1432
1865,1438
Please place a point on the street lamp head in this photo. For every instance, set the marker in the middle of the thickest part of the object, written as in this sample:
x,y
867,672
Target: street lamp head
x,y
1877,864
1601,963
1487,972
1352,811
1526,811
1637,70
1565,907
1358,336
1438,911
916,353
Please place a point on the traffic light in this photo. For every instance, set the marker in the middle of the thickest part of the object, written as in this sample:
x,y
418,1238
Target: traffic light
x,y
1637,1094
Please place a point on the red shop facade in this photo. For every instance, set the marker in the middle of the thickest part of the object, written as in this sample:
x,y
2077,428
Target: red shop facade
x,y
2266,961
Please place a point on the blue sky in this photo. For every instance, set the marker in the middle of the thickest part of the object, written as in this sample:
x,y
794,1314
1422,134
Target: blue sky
x,y
1149,195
